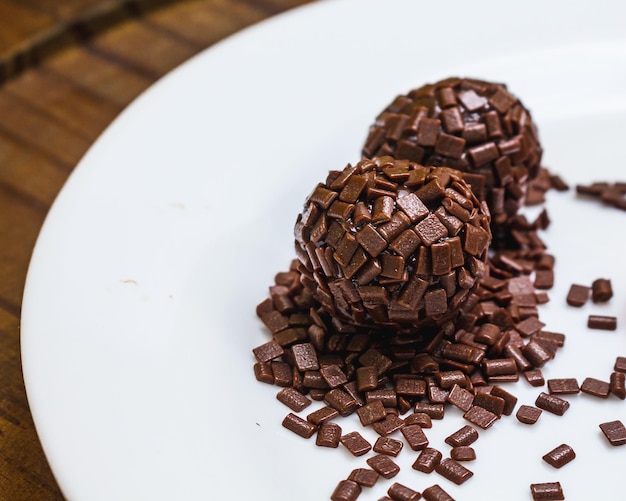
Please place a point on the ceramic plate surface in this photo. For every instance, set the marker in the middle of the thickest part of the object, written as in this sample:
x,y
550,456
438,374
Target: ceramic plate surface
x,y
139,310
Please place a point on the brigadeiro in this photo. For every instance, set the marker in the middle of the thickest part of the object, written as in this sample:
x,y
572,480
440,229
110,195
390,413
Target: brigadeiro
x,y
477,127
392,243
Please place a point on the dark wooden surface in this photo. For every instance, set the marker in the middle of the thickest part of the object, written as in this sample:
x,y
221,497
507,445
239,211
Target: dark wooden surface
x,y
67,68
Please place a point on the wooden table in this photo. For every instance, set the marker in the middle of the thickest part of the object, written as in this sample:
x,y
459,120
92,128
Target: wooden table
x,y
67,68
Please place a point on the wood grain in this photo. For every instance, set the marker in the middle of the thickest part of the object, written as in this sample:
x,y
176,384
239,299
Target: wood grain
x,y
69,67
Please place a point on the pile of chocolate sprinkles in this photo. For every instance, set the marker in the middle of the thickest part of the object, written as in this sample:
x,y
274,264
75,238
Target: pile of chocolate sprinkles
x,y
399,304
384,374
477,127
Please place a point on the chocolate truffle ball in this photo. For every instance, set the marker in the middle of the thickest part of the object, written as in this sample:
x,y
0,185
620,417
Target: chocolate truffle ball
x,y
471,125
391,243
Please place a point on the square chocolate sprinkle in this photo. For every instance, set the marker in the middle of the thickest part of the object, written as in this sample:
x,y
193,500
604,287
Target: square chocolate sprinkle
x,y
564,386
528,414
453,471
355,443
559,456
388,446
384,466
615,432
364,477
595,387
480,417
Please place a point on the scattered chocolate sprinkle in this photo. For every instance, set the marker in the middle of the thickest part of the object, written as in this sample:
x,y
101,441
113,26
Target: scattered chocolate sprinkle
x,y
364,476
419,418
333,375
388,425
355,443
427,460
384,466
299,426
460,398
435,411
595,387
305,357
268,351
463,453
341,401
620,364
263,372
528,414
563,386
615,432
389,446
602,322
346,490
367,378
436,493
558,183
371,412
510,401
490,402
529,326
322,415
610,194
293,399
559,456
557,338
414,436
481,417
388,398
283,374
465,436
578,295
536,353
601,290
453,471
617,385
328,435
552,404
399,492
547,491
534,377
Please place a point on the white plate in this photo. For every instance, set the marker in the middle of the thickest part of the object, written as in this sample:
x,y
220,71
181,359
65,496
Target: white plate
x,y
138,317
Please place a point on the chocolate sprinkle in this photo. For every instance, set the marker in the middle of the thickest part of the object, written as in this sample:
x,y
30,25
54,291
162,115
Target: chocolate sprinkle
x,y
559,456
547,491
615,432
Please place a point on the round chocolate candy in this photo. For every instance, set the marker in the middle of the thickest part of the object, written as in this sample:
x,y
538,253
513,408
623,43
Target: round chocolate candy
x,y
391,243
471,125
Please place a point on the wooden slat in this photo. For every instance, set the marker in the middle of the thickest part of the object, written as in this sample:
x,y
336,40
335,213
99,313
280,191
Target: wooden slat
x,y
34,29
272,7
39,132
23,474
19,24
19,226
29,174
79,110
102,77
203,23
133,43
68,10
